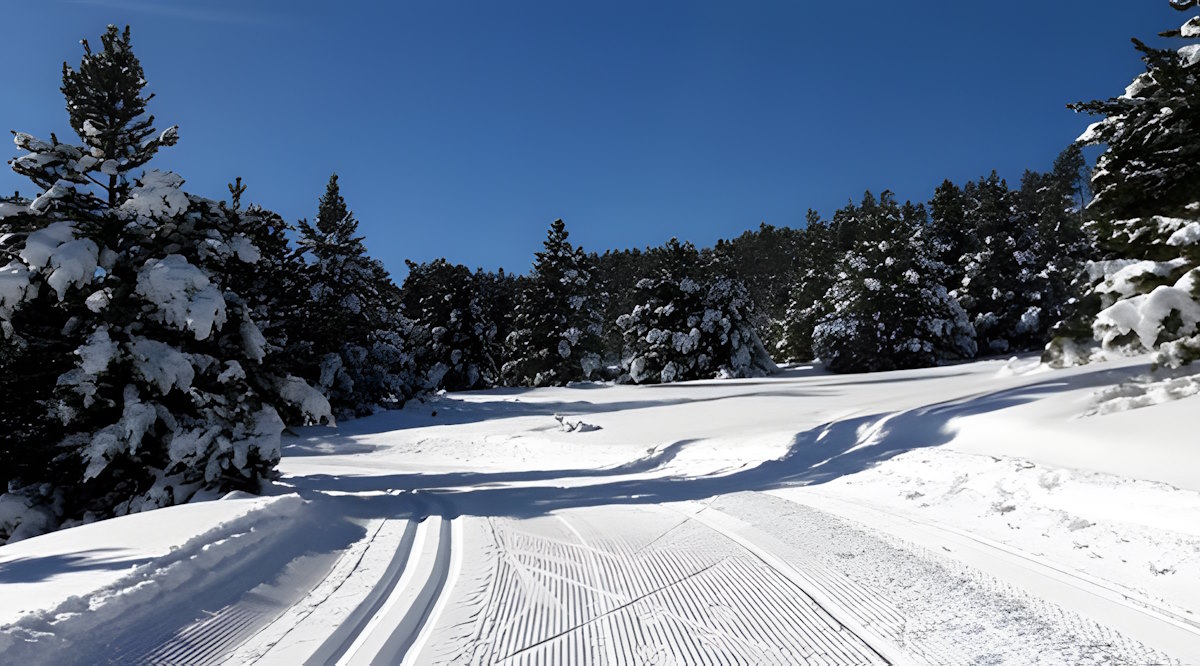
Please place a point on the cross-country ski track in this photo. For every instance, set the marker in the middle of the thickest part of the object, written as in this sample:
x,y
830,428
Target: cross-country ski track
x,y
711,523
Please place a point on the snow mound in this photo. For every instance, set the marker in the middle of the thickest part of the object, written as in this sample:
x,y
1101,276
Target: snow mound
x,y
1144,392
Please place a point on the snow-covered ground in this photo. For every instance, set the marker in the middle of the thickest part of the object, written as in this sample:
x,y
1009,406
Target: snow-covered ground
x,y
993,512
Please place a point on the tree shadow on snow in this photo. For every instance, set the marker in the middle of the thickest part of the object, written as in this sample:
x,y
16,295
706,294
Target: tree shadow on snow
x,y
814,456
342,440
38,568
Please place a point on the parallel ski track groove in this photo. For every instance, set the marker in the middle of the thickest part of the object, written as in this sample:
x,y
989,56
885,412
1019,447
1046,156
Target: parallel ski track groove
x,y
617,603
336,645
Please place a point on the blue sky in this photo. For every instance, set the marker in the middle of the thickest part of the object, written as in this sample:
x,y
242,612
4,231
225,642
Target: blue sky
x,y
462,129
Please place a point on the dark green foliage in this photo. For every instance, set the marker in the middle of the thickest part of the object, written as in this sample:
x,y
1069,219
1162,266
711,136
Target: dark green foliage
x,y
558,323
1028,248
353,333
766,260
816,255
951,236
692,322
34,352
618,272
886,310
454,341
1145,216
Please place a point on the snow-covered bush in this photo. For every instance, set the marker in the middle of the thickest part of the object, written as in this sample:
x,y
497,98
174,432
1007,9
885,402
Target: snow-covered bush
x,y
1145,294
690,325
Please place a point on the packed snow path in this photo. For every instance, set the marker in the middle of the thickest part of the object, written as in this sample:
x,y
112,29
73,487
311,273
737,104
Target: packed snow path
x,y
945,516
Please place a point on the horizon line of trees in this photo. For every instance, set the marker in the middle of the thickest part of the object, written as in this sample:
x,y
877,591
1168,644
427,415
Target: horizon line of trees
x,y
154,344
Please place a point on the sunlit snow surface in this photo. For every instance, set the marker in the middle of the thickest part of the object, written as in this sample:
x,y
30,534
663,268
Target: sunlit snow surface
x,y
992,511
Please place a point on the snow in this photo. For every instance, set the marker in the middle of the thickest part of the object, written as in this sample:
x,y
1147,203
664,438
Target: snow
x,y
1124,280
161,364
14,287
1091,134
1188,234
156,197
1144,314
97,301
1191,28
244,249
72,264
307,399
72,261
57,191
1190,54
253,341
990,512
98,353
183,295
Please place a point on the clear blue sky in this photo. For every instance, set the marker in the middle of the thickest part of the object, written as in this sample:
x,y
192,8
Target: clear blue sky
x,y
462,129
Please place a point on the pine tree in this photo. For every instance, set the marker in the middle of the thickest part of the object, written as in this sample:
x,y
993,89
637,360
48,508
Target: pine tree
x,y
618,271
272,287
815,260
498,294
887,310
766,261
996,274
558,321
162,390
354,334
951,237
692,322
1146,210
454,343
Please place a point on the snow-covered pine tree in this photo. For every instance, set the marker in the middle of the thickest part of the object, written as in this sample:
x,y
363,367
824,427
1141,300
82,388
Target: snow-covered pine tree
x,y
1145,213
1048,208
951,237
353,333
998,275
558,321
692,322
161,390
887,310
618,272
272,289
1029,247
453,341
766,260
816,256
498,293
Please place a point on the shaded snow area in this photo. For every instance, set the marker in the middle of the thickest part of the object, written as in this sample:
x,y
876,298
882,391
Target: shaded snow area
x,y
992,512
